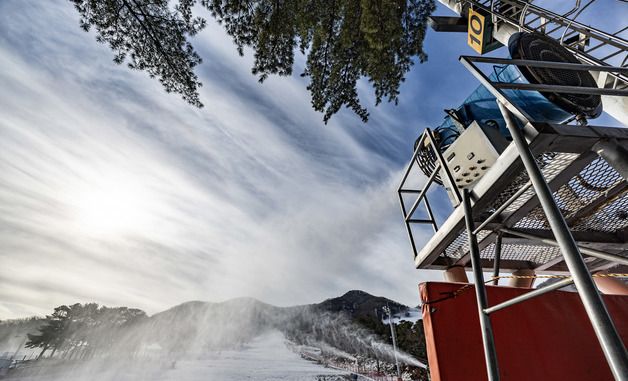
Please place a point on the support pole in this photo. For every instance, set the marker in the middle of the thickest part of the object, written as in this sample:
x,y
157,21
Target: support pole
x,y
430,214
490,353
609,339
394,340
529,295
497,258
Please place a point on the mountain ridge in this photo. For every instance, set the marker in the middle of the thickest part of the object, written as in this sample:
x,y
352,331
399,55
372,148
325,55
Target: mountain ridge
x,y
357,304
351,323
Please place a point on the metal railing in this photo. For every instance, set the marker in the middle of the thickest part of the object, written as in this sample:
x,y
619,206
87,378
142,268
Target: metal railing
x,y
610,341
426,140
588,44
496,87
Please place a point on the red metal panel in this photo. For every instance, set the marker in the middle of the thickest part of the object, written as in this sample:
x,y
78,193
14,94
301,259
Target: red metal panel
x,y
546,338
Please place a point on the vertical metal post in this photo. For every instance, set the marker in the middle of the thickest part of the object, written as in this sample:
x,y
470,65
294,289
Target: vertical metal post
x,y
401,202
497,258
430,214
449,179
423,192
490,353
609,339
408,229
394,340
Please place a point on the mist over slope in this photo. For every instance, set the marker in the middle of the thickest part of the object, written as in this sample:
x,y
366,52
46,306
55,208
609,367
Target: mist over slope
x,y
348,327
347,322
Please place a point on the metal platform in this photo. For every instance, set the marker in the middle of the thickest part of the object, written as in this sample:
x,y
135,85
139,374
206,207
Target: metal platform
x,y
555,200
592,195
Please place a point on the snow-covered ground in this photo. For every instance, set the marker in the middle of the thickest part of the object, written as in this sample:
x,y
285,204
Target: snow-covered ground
x,y
264,359
411,315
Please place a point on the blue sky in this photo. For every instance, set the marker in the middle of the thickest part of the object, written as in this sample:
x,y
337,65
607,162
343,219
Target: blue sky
x,y
115,192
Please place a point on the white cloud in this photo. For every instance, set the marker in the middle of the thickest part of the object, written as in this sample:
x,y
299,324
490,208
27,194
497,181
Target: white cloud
x,y
115,192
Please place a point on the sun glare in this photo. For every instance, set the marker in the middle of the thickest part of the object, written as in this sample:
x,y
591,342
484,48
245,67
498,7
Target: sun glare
x,y
114,205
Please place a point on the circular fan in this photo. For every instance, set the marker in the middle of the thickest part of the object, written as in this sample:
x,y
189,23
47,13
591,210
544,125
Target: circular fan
x,y
426,159
538,47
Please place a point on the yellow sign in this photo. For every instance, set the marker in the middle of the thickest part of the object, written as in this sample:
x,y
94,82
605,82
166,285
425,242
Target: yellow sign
x,y
476,31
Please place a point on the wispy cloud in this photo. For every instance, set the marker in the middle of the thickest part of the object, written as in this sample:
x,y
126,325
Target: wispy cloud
x,y
112,191
115,192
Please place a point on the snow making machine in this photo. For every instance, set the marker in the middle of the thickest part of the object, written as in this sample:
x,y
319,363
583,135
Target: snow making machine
x,y
536,191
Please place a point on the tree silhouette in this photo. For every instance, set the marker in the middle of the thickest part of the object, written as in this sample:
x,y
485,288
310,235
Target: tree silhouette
x,y
343,41
52,333
81,328
151,36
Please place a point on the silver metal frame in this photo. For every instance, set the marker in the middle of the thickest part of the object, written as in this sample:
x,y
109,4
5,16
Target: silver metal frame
x,y
558,138
490,352
575,36
422,193
571,138
610,342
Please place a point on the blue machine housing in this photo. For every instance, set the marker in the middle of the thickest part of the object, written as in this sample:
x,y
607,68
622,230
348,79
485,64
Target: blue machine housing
x,y
481,106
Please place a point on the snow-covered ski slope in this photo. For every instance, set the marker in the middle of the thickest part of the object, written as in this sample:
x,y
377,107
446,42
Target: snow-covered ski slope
x,y
266,358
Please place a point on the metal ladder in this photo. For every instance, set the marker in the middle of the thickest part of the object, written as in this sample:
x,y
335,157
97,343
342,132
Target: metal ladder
x,y
590,45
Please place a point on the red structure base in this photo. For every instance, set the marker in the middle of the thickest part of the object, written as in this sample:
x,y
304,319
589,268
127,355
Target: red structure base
x,y
545,338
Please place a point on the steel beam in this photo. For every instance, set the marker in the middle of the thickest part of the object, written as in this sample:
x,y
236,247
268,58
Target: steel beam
x,y
561,89
610,341
448,24
528,296
490,352
497,258
593,205
423,192
547,64
585,250
503,206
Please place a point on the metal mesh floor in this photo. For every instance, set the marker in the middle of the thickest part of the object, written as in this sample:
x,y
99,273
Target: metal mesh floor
x,y
592,195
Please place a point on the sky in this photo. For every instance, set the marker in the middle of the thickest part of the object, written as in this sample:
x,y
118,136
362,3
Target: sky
x,y
112,191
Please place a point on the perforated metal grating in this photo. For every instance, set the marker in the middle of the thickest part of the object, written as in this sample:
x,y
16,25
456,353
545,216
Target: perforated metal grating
x,y
537,254
460,245
584,200
534,220
611,218
592,186
551,164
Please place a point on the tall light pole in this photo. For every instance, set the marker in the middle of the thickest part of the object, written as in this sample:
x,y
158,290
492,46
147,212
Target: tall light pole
x,y
394,339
